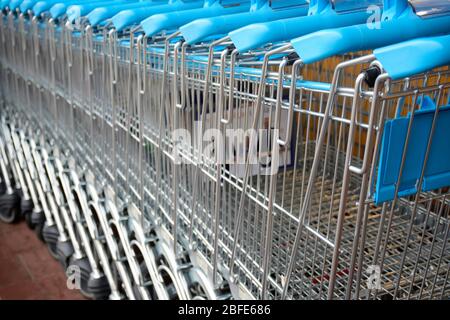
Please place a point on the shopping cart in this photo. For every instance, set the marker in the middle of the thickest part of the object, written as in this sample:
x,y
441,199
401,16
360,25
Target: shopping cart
x,y
219,61
61,199
116,126
155,56
80,52
12,177
124,79
290,186
405,229
8,79
124,177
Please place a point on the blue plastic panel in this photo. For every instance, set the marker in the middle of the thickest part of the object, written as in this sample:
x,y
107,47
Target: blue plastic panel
x,y
437,172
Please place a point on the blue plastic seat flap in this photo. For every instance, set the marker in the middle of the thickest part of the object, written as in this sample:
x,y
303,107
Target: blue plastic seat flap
x,y
437,170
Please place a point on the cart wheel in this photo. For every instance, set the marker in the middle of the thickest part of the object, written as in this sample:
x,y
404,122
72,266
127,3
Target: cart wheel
x,y
9,207
64,251
98,288
28,221
50,235
38,221
26,208
51,246
38,230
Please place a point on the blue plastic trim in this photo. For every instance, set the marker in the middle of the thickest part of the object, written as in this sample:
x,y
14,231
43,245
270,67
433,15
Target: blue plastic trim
x,y
14,4
4,4
27,5
99,15
201,29
79,10
394,8
46,5
59,9
134,16
43,6
318,6
326,43
172,20
257,35
437,171
414,56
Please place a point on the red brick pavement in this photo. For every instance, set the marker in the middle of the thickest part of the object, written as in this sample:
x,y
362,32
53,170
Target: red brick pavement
x,y
27,270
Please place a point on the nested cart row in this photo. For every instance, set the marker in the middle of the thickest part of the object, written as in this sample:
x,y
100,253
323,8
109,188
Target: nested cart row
x,y
232,149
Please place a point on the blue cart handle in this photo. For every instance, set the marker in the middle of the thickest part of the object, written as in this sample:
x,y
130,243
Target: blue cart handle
x,y
173,20
132,17
327,43
77,11
415,56
42,6
99,15
320,16
14,4
261,11
4,4
59,9
27,5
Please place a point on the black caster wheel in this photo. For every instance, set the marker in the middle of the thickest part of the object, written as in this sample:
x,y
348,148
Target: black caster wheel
x,y
9,207
26,208
51,246
90,287
27,217
38,221
98,288
37,217
38,231
50,234
64,251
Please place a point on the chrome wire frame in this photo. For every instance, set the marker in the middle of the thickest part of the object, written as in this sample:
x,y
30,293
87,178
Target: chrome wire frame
x,y
90,134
